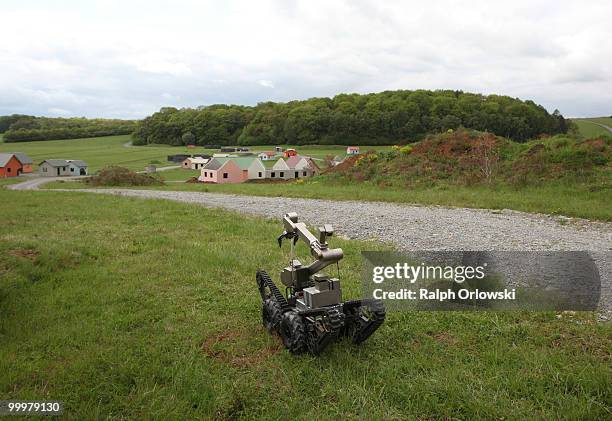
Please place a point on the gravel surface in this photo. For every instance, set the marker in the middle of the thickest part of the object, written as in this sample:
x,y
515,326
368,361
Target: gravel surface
x,y
411,227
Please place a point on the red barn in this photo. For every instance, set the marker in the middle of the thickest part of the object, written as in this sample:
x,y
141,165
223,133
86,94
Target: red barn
x,y
9,165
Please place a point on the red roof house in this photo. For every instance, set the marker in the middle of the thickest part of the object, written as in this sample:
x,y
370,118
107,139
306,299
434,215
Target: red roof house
x,y
10,165
289,152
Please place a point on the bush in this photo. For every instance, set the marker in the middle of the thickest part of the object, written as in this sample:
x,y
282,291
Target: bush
x,y
120,176
405,150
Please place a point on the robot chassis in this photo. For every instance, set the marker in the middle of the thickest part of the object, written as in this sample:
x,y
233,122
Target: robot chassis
x,y
312,314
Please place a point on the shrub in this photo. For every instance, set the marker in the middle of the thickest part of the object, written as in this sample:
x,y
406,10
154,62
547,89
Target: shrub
x,y
406,150
120,176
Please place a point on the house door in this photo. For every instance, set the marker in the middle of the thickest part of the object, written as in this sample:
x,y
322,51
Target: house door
x,y
297,174
82,171
58,171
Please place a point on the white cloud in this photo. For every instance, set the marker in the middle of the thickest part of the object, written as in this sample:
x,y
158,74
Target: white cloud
x,y
124,59
266,83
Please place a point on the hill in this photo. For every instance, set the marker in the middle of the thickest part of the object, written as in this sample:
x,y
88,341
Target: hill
x,y
466,157
389,117
24,128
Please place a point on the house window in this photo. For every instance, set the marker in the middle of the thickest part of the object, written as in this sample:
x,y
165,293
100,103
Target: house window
x,y
205,174
259,174
304,173
273,174
8,169
71,169
224,175
282,174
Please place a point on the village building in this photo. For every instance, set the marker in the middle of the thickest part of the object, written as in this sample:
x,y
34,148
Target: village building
x,y
267,155
289,153
352,150
240,170
279,171
53,168
62,167
10,165
25,161
77,167
195,163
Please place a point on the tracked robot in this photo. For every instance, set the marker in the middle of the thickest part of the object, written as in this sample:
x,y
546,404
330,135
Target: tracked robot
x,y
311,314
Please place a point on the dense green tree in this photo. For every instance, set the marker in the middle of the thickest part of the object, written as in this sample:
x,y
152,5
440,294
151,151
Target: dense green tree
x,y
383,118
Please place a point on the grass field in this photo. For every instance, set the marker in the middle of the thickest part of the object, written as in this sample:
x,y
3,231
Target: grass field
x,y
148,309
99,152
588,129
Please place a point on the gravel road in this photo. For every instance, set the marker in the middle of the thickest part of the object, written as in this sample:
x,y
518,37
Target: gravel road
x,y
424,227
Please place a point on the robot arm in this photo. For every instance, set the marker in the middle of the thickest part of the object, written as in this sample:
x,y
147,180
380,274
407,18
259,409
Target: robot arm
x,y
318,246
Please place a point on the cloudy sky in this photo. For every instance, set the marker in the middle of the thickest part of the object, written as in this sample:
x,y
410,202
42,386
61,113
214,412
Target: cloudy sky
x,y
126,59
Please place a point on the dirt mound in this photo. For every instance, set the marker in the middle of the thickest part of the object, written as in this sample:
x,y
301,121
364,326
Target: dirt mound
x,y
457,144
348,163
120,176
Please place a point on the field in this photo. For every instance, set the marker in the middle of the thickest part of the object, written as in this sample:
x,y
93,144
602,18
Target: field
x,y
588,128
112,150
139,309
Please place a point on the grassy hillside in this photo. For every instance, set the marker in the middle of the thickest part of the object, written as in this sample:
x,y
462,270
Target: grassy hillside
x,y
588,127
139,309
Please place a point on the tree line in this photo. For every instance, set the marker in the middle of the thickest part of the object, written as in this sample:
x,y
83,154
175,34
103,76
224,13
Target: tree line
x,y
24,128
390,117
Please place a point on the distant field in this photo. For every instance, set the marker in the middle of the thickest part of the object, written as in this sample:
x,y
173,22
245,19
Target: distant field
x,y
99,152
588,127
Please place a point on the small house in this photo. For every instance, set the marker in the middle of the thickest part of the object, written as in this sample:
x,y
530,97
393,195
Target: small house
x,y
77,167
289,153
301,166
25,161
221,171
278,149
53,168
10,165
194,163
352,150
267,156
279,171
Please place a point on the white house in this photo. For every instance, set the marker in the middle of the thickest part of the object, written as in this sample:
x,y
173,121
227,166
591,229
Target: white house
x,y
194,163
257,170
53,168
352,150
280,170
267,155
77,167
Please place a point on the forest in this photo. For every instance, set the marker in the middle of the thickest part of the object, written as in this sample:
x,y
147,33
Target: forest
x,y
25,128
390,117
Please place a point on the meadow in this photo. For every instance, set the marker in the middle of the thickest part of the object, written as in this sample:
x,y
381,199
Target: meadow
x,y
148,309
588,129
99,152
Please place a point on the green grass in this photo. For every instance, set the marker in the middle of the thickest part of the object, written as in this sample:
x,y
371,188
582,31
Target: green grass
x,y
588,129
102,151
180,174
552,198
125,308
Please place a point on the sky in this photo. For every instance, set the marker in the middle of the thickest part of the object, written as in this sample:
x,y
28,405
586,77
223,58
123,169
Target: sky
x,y
127,59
